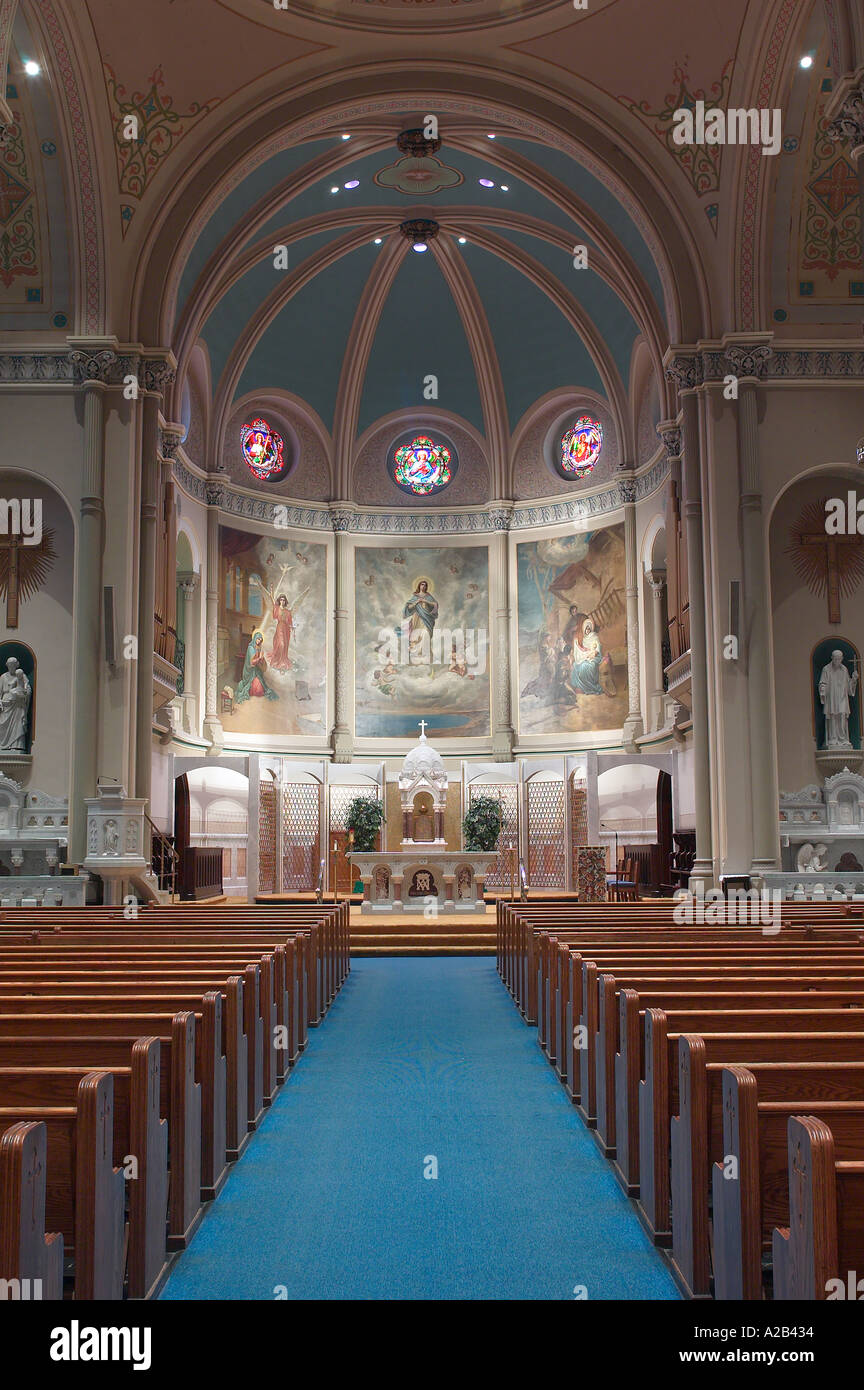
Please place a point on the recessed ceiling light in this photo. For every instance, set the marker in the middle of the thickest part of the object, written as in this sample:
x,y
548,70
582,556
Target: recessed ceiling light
x,y
353,183
505,188
490,136
462,240
420,246
335,188
32,69
807,61
378,240
486,183
346,137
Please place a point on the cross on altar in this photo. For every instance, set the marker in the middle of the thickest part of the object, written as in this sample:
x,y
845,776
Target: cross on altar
x,y
423,727
832,546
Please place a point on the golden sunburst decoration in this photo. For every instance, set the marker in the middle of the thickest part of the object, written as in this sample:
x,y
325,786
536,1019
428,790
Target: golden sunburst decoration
x,y
822,561
23,571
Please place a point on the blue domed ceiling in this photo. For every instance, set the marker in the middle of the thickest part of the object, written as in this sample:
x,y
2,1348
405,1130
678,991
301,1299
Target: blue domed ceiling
x,y
503,258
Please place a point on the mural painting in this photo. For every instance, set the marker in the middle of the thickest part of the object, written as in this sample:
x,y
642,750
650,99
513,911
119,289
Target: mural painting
x,y
421,641
272,634
572,633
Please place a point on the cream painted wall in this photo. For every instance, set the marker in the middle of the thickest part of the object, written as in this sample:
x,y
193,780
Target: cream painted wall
x,y
800,620
45,625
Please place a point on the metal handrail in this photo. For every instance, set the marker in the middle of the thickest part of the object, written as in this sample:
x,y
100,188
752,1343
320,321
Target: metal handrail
x,y
164,842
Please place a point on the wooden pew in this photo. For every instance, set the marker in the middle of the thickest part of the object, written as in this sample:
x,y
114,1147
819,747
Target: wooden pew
x,y
824,1240
658,1088
700,1140
755,1136
85,1193
29,1258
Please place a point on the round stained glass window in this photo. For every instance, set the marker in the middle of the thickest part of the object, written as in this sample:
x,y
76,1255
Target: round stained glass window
x,y
263,450
580,447
422,466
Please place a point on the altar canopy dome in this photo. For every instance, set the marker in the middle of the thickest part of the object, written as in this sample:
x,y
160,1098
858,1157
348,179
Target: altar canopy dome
x,y
423,767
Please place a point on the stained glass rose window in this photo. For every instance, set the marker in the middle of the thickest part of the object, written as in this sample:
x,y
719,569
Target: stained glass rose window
x,y
580,447
263,450
422,466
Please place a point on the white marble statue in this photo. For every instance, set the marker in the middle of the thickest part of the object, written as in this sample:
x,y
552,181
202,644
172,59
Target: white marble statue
x,y
15,695
811,859
836,688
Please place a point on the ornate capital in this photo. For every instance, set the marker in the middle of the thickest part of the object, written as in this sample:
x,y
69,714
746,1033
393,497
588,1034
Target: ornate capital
x,y
155,373
170,439
215,490
684,368
341,520
748,359
670,436
626,489
848,124
500,519
657,581
98,366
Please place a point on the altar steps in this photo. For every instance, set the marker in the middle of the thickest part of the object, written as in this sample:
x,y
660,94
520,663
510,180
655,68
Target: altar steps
x,y
452,943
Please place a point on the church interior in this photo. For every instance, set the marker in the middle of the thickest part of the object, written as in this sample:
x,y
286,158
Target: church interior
x,y
430,720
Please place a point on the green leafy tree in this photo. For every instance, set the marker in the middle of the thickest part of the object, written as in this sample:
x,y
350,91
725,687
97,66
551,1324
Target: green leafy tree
x,y
481,825
364,816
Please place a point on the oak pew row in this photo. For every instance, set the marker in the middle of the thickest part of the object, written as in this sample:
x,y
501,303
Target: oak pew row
x,y
41,986
828,973
31,1259
328,925
755,1130
85,1198
518,962
821,1252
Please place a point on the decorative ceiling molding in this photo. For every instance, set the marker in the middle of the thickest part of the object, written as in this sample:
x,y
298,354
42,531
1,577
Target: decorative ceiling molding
x,y
217,491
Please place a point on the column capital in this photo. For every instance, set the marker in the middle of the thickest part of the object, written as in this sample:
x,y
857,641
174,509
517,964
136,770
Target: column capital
x,y
626,489
683,365
748,357
171,436
669,434
657,581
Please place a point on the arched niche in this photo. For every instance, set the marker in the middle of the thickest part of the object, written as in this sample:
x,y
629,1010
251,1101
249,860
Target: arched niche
x,y
23,728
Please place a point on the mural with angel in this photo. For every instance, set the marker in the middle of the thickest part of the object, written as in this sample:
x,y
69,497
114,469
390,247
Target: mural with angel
x,y
272,634
572,632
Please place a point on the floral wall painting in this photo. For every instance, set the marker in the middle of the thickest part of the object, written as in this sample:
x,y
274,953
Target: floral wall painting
x,y
421,641
572,670
272,669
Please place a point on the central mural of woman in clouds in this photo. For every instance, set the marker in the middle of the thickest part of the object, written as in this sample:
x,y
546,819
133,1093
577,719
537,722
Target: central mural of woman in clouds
x,y
421,640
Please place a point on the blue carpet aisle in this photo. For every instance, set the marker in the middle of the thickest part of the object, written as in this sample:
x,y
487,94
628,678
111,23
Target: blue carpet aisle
x,y
418,1058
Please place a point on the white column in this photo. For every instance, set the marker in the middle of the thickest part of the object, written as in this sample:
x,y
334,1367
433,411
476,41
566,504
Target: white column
x,y
87,610
633,725
342,739
656,580
499,638
212,723
748,362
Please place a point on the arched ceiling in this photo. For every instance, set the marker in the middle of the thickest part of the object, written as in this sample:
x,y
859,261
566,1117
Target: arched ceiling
x,y
496,310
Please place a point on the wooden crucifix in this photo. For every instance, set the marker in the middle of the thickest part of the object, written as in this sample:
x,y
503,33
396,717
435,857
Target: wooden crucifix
x,y
23,570
829,563
833,564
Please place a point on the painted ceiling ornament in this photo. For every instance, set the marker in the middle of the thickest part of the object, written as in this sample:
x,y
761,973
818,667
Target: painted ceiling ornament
x,y
580,447
422,466
263,450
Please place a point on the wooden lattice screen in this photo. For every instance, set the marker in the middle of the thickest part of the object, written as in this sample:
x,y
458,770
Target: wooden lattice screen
x,y
301,837
546,846
267,838
508,795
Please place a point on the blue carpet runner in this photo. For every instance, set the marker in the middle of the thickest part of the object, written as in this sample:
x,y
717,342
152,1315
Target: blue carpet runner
x,y
421,1059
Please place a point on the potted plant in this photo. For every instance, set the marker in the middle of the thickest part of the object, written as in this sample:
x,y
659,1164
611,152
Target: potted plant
x,y
363,820
482,823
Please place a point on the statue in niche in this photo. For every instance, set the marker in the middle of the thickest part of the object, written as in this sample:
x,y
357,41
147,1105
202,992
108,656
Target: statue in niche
x,y
811,859
111,837
15,696
836,687
382,884
848,864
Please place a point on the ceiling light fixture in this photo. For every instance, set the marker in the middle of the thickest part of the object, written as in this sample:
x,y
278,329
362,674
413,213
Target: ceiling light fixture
x,y
32,69
486,183
462,240
505,188
807,60
490,136
378,240
346,137
335,188
419,231
353,183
